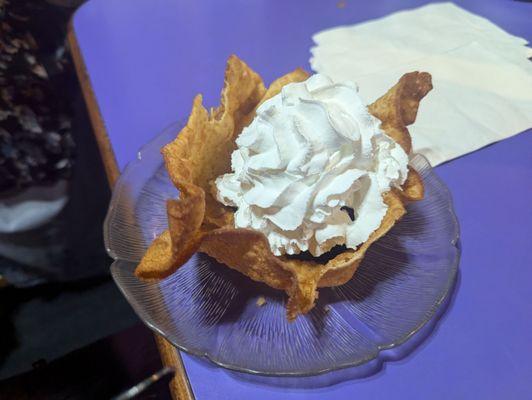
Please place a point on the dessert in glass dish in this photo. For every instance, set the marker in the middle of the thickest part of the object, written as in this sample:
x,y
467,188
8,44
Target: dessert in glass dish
x,y
289,184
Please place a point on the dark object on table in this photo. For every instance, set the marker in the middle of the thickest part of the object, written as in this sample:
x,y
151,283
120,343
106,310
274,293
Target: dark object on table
x,y
36,144
71,246
41,116
48,321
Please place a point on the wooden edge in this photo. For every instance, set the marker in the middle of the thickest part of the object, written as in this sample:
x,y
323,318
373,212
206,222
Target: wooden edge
x,y
104,144
179,386
170,356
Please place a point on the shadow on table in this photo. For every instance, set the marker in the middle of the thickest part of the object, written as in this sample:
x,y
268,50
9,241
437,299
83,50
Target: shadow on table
x,y
212,272
366,370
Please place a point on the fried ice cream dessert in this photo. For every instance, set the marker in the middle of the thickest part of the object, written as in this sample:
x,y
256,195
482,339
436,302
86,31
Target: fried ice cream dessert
x,y
289,184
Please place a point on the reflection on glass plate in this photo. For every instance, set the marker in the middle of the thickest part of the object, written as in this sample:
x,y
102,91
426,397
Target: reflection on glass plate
x,y
210,310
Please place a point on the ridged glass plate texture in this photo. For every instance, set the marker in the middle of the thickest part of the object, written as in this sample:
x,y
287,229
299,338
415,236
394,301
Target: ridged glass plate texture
x,y
210,310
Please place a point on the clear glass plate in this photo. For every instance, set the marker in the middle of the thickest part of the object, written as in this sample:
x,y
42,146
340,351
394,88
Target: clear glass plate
x,y
210,310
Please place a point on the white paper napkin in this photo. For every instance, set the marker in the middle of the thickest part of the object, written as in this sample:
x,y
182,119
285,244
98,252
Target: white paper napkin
x,y
482,76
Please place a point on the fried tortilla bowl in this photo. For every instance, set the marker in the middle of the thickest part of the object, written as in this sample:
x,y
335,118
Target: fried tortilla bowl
x,y
202,152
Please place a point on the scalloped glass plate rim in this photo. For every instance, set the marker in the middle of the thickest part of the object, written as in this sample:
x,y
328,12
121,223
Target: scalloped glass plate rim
x,y
175,127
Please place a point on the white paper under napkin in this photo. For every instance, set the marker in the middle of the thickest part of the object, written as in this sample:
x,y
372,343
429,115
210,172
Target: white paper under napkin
x,y
482,76
31,208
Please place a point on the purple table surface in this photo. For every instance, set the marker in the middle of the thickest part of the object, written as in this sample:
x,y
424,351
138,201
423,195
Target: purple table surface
x,y
146,59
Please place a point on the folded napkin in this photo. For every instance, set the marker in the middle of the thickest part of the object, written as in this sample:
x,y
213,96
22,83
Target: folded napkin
x,y
482,75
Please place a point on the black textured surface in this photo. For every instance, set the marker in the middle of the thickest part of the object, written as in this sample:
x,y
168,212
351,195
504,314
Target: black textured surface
x,y
36,145
99,371
44,323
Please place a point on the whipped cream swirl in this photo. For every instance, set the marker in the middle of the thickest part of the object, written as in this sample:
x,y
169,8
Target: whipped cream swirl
x,y
311,152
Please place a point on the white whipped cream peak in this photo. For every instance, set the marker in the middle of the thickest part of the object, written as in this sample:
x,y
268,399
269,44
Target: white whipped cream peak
x,y
311,151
